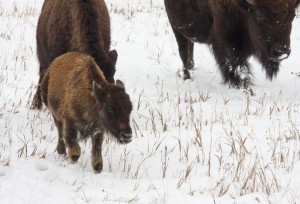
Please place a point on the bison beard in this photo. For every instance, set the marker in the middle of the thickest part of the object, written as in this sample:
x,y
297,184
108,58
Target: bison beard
x,y
235,30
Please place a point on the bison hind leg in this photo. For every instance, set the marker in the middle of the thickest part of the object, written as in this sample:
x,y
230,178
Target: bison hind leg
x,y
189,65
186,52
70,138
60,147
37,99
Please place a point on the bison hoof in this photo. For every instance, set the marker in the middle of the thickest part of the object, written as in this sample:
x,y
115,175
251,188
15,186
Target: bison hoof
x,y
98,168
186,74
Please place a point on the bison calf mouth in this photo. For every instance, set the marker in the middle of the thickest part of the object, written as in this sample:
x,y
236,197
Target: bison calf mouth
x,y
125,138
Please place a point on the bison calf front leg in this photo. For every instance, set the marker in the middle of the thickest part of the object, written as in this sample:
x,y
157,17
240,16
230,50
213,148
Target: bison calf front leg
x,y
97,161
70,136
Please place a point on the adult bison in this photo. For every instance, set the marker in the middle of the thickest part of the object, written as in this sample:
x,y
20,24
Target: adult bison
x,y
236,30
82,101
74,25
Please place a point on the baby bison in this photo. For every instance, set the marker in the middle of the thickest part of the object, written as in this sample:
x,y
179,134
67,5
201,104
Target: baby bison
x,y
81,101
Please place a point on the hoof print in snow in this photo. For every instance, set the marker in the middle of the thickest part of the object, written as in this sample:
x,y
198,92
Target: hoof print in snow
x,y
42,167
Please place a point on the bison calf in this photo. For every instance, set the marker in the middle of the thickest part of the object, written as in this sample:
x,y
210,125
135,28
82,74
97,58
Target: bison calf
x,y
80,99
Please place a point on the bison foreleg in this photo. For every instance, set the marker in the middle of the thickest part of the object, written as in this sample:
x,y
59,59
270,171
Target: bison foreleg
x,y
97,161
234,68
186,52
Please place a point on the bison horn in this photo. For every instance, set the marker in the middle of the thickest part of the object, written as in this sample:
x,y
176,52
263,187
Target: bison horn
x,y
95,87
251,2
96,84
98,92
120,84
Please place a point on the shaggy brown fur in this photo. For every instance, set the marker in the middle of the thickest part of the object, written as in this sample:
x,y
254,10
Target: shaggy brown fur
x,y
74,25
236,30
81,100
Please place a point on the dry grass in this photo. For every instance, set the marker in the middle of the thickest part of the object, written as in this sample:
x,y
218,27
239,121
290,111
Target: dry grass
x,y
182,135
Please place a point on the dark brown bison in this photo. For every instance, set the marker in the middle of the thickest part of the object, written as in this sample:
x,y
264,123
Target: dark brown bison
x,y
82,101
236,30
74,25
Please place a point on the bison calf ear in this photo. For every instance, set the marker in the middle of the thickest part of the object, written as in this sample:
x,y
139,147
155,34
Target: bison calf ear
x,y
113,55
98,92
120,84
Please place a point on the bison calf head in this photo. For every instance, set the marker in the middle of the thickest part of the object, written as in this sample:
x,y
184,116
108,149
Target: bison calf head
x,y
269,25
114,109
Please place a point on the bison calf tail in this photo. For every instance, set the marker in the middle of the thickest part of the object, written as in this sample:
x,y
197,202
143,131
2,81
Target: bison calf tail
x,y
44,89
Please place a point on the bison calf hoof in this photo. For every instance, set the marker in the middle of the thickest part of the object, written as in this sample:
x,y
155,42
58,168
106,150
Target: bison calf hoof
x,y
61,149
75,158
98,168
74,154
97,164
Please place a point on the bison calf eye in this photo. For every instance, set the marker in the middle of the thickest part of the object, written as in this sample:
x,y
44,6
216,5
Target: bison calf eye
x,y
109,110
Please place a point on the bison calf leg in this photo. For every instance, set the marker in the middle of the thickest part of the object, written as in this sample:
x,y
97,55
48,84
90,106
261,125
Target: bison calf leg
x,y
186,52
61,147
97,161
70,137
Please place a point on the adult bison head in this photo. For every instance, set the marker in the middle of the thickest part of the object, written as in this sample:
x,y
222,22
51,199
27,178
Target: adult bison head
x,y
269,24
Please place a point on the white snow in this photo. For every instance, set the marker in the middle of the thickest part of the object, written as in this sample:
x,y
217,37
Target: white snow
x,y
195,141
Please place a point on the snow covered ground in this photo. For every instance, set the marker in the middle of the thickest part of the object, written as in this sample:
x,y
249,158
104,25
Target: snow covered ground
x,y
195,141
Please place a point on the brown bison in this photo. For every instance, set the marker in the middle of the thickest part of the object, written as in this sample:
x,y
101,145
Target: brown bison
x,y
236,30
82,101
74,25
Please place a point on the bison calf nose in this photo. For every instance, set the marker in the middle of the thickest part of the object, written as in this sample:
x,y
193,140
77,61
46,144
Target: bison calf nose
x,y
281,52
125,137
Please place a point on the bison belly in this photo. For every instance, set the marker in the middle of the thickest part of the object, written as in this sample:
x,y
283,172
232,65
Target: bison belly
x,y
192,19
